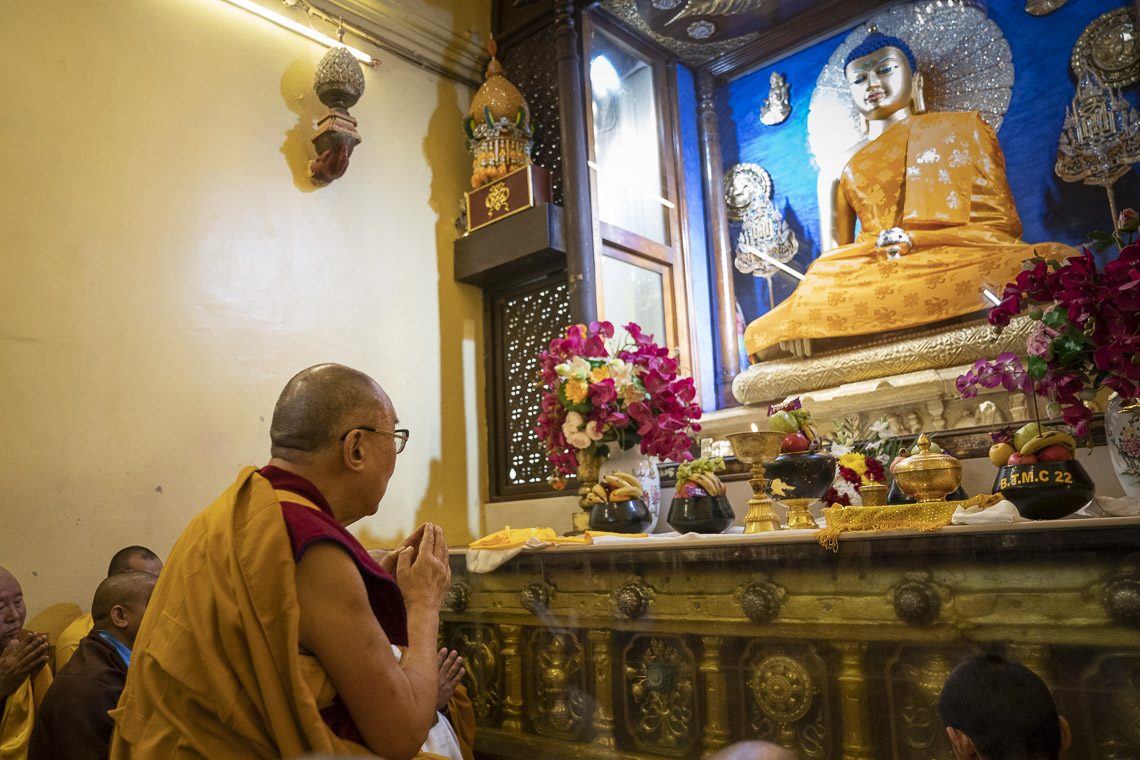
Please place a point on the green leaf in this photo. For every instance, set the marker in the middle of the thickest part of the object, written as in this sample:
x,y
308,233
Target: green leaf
x,y
1055,318
1036,367
487,116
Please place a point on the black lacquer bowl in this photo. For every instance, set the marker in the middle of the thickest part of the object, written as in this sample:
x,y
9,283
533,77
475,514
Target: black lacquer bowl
x,y
629,516
700,514
1046,490
808,474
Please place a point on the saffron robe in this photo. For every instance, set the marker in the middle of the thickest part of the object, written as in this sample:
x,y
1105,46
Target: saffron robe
x,y
19,715
309,519
941,178
216,670
69,639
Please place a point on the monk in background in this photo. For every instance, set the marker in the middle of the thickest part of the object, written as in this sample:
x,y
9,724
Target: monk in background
x,y
24,677
271,628
126,560
72,723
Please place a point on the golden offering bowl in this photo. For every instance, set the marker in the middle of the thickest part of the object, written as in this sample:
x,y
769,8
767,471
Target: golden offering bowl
x,y
927,476
756,448
874,494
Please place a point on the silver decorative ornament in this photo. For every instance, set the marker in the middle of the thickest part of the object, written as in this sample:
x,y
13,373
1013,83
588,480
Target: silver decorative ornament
x,y
1110,47
765,239
701,30
338,80
777,107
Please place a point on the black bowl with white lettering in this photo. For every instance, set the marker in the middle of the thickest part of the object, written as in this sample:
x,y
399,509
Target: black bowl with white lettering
x,y
629,516
1046,490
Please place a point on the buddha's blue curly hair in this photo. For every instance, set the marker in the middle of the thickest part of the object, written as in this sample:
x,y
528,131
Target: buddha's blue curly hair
x,y
875,41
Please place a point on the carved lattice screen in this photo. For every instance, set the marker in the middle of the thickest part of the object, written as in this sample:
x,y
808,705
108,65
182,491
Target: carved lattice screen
x,y
523,320
531,66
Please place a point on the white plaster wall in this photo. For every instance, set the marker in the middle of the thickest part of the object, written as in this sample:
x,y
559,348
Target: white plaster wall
x,y
166,267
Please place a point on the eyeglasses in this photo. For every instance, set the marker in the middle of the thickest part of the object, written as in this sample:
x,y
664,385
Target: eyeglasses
x,y
400,434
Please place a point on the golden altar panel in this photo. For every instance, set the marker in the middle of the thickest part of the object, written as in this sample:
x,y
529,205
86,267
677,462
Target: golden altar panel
x,y
674,649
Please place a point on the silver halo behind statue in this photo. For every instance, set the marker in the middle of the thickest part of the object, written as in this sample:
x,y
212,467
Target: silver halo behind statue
x,y
963,56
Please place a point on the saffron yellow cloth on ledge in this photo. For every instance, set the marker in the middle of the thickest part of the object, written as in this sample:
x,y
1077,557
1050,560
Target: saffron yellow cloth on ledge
x,y
492,550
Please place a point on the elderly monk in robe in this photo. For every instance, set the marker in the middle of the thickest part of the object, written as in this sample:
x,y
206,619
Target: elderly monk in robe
x,y
129,559
24,675
271,628
938,222
73,723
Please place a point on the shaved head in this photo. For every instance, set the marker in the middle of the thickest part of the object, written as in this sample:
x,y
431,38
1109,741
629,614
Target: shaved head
x,y
753,750
321,403
129,589
134,558
12,609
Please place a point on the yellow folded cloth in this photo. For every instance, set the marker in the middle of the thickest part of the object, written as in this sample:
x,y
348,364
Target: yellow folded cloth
x,y
513,538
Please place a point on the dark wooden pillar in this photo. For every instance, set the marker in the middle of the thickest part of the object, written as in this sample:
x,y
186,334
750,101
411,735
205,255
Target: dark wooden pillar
x,y
720,243
578,225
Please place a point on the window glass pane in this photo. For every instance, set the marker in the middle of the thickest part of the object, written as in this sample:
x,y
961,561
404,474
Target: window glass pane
x,y
626,150
634,294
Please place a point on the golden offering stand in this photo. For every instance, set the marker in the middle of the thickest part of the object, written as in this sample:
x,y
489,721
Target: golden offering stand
x,y
799,516
755,449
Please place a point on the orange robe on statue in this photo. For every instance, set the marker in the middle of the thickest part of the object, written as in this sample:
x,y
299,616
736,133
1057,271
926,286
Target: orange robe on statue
x,y
941,178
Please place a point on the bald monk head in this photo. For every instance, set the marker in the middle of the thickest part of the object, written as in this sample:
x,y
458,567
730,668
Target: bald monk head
x,y
119,604
134,558
12,609
336,427
22,653
753,750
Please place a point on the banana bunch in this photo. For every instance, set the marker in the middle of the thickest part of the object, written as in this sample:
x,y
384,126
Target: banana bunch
x,y
1047,439
617,486
707,482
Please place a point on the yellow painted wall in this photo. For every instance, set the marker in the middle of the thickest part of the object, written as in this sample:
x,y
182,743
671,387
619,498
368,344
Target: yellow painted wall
x,y
166,268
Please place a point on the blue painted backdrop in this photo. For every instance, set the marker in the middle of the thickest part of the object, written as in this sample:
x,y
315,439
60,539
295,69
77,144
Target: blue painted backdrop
x,y
1050,209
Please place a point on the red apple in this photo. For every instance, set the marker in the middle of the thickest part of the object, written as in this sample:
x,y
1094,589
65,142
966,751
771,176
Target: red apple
x,y
1058,452
794,442
1017,458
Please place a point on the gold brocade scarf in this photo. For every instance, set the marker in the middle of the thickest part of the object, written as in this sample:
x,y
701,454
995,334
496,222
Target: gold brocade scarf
x,y
922,517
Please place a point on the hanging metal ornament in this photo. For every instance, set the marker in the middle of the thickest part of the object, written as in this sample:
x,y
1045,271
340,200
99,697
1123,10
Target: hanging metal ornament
x,y
766,243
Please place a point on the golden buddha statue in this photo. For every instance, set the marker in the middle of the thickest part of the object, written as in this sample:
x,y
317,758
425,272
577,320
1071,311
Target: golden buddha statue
x,y
937,220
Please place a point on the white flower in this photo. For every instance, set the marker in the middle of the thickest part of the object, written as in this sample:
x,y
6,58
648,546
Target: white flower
x,y
839,449
579,433
577,369
621,372
882,428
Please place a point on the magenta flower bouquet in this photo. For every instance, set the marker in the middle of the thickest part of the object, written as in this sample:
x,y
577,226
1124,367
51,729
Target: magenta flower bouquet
x,y
1085,336
593,398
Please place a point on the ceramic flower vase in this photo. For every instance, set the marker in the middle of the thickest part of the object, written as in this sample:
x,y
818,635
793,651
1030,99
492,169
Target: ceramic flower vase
x,y
1122,428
